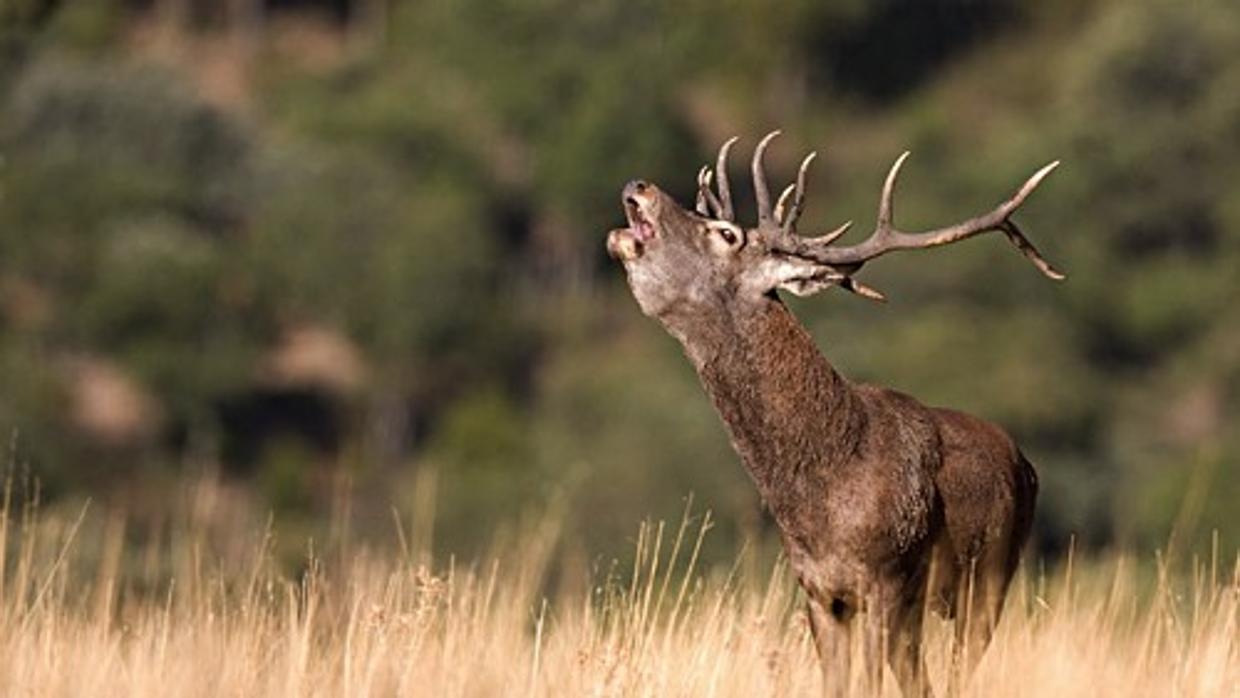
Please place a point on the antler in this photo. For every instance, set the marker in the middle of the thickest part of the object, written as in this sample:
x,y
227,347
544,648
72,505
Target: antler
x,y
720,206
779,224
886,237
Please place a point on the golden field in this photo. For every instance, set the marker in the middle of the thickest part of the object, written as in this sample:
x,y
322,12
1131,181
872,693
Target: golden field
x,y
86,611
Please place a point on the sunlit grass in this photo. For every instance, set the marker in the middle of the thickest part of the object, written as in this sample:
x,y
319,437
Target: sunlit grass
x,y
85,612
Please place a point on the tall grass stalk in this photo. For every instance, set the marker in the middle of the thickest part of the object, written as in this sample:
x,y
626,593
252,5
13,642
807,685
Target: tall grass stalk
x,y
88,610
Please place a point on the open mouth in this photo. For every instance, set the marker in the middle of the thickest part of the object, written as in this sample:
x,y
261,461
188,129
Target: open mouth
x,y
642,228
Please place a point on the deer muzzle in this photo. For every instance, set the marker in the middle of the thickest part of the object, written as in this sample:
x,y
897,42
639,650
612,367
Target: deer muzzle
x,y
639,201
622,245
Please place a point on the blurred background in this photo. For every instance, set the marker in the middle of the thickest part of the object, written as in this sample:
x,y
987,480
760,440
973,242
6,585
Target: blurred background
x,y
343,259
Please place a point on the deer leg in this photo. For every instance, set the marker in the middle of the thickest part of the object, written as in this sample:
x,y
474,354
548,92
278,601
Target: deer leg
x,y
979,602
899,609
832,631
904,654
859,650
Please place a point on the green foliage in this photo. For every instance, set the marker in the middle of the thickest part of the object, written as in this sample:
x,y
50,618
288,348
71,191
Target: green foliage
x,y
633,433
438,203
486,467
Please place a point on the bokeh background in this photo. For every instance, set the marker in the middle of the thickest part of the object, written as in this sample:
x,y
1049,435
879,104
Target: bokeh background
x,y
343,260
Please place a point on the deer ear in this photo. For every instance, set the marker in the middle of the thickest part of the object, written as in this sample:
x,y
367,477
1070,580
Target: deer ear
x,y
798,276
809,285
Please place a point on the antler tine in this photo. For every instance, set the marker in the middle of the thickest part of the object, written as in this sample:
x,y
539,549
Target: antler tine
x,y
699,202
721,177
854,286
885,208
761,194
798,203
1026,248
781,204
706,197
886,237
1027,188
830,237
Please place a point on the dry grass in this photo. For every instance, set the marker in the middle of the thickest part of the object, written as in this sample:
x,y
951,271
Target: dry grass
x,y
84,613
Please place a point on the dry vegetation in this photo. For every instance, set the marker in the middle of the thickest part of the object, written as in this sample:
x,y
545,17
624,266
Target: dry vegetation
x,y
85,610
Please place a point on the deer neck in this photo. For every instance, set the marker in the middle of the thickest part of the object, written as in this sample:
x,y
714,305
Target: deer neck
x,y
791,417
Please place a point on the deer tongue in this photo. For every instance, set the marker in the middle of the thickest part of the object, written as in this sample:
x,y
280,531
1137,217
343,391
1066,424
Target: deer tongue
x,y
639,226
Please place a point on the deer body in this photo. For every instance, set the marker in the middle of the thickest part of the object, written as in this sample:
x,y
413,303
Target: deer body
x,y
885,506
864,484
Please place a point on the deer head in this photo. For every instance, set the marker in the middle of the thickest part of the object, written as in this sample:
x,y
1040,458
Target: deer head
x,y
684,263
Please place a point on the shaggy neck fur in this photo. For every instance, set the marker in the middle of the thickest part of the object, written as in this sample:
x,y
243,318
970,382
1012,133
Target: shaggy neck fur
x,y
791,417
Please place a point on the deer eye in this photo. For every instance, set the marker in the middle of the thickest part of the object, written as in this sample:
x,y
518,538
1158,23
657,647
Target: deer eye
x,y
728,232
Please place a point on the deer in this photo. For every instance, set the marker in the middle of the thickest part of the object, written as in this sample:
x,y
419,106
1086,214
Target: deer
x,y
886,508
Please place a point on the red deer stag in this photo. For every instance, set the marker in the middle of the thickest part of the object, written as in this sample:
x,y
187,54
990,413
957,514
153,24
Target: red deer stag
x,y
884,505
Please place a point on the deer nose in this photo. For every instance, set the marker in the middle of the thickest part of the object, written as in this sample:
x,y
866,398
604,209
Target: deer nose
x,y
635,187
